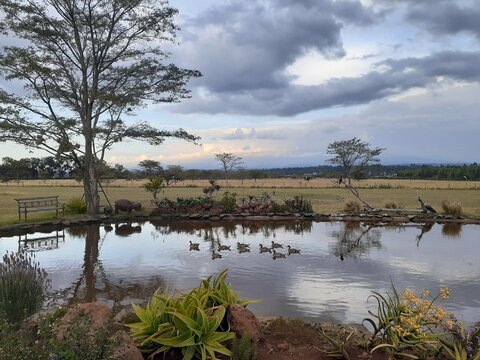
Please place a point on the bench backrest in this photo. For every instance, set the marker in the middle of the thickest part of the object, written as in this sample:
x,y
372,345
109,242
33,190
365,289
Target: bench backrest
x,y
37,202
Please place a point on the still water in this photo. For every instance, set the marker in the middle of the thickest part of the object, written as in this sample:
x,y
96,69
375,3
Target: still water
x,y
331,279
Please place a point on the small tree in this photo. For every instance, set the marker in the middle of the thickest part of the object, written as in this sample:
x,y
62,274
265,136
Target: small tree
x,y
154,185
352,155
229,162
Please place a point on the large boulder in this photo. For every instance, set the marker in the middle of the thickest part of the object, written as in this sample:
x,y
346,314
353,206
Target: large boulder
x,y
99,319
243,322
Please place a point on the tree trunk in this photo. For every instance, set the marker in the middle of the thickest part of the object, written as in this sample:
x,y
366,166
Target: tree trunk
x,y
90,184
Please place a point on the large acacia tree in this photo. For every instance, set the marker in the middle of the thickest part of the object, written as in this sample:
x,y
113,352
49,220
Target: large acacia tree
x,y
85,65
352,154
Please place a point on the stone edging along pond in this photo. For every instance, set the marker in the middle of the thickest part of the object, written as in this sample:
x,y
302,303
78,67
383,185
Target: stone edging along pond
x,y
377,218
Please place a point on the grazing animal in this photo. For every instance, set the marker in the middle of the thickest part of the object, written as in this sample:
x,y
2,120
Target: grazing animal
x,y
194,246
276,255
216,256
292,250
126,205
276,245
240,245
223,247
264,249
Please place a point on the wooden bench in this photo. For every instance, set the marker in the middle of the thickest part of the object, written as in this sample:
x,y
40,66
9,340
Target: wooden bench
x,y
44,203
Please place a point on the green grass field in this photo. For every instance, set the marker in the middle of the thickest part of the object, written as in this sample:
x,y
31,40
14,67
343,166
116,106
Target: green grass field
x,y
329,198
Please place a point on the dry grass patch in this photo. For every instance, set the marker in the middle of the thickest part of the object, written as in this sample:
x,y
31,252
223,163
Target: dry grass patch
x,y
351,206
453,208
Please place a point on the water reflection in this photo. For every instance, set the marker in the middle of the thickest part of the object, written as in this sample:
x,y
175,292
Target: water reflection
x,y
127,262
355,240
452,230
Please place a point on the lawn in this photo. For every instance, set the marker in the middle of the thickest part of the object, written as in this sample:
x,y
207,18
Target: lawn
x,y
326,196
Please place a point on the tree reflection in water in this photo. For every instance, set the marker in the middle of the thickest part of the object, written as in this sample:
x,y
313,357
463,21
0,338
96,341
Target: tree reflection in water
x,y
95,283
355,240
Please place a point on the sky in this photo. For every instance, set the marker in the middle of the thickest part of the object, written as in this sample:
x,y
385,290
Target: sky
x,y
282,79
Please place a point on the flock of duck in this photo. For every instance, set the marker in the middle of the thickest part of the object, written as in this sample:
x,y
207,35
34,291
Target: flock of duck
x,y
243,248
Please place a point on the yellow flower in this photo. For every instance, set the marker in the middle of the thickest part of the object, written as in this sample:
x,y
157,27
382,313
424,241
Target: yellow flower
x,y
444,293
425,293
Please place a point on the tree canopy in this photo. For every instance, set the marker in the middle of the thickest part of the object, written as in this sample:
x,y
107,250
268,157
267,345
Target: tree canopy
x,y
353,154
85,65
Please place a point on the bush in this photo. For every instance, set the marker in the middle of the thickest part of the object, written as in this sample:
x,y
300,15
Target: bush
x,y
453,208
23,286
228,201
76,205
154,185
299,204
243,349
391,205
351,206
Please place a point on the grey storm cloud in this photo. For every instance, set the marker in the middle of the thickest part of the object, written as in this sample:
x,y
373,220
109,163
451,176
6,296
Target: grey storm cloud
x,y
395,77
443,16
255,41
244,48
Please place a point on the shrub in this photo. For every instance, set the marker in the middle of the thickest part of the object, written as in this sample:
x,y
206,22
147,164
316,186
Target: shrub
x,y
351,206
299,204
189,322
23,286
243,349
154,185
460,343
391,205
228,201
453,208
79,342
76,205
406,322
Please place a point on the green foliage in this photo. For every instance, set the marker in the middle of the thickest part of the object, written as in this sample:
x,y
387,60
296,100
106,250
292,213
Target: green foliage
x,y
453,208
244,349
154,185
228,201
339,341
79,342
76,205
299,204
405,323
23,286
19,344
190,321
461,343
351,207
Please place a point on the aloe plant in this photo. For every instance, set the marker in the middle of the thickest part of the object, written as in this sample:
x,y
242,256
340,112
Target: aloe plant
x,y
188,321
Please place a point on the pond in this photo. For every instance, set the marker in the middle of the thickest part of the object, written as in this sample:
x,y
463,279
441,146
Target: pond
x,y
338,266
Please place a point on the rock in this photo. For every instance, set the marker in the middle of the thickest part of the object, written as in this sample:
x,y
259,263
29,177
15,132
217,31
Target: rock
x,y
97,314
125,347
283,346
242,321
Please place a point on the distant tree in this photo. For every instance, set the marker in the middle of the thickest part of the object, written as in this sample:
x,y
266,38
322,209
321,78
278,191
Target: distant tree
x,y
119,172
228,162
352,154
150,167
85,65
174,173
